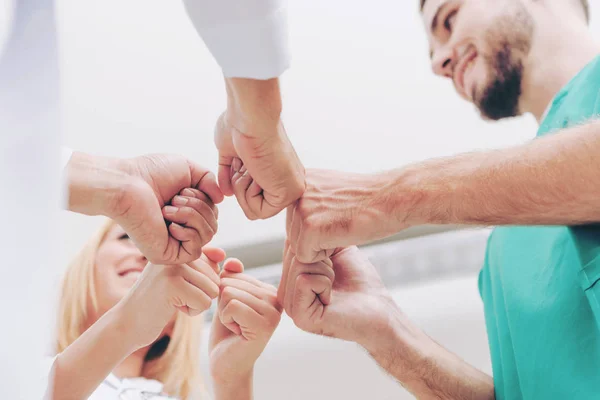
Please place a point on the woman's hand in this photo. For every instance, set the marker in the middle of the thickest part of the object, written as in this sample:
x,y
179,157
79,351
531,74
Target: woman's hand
x,y
161,290
136,322
248,313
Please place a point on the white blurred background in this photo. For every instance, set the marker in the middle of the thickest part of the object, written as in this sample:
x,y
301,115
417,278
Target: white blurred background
x,y
360,96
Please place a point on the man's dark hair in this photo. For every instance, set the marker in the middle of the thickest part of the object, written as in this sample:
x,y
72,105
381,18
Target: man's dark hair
x,y
584,3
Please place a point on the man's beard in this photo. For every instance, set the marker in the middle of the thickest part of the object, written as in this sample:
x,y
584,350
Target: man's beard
x,y
500,98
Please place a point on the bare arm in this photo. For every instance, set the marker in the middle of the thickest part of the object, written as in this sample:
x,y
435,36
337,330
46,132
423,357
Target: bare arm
x,y
240,389
255,105
549,181
423,367
82,366
358,308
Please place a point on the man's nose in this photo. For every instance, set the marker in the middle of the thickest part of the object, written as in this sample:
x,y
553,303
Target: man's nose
x,y
443,61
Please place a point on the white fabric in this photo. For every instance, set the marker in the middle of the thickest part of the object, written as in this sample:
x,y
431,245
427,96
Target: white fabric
x,y
65,157
112,386
30,197
249,38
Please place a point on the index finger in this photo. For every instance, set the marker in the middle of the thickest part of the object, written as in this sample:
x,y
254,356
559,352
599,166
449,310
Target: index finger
x,y
205,268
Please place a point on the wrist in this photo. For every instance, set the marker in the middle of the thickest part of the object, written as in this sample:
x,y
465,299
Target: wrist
x,y
416,195
387,204
234,386
96,184
120,320
423,367
397,342
388,323
254,106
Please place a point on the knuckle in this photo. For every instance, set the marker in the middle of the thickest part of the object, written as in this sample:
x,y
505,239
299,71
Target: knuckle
x,y
272,321
203,207
213,290
310,223
201,196
185,212
227,294
249,214
205,303
302,210
195,251
273,300
206,236
235,305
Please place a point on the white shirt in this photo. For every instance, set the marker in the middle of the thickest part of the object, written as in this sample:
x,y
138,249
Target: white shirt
x,y
248,38
112,387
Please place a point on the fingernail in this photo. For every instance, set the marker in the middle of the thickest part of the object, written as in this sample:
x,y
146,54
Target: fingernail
x,y
179,201
243,169
170,210
236,164
187,192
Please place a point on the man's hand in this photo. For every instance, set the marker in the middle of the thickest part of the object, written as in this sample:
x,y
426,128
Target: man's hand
x,y
140,194
345,298
257,162
342,297
339,210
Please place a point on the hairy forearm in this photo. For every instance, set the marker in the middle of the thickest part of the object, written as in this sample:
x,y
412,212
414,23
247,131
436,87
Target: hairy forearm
x,y
549,181
82,366
95,184
425,368
234,388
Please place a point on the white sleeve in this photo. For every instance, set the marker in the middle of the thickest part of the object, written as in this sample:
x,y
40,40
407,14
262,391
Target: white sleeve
x,y
248,38
65,157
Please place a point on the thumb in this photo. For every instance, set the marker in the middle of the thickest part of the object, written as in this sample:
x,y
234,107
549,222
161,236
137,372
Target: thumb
x,y
214,254
233,265
225,175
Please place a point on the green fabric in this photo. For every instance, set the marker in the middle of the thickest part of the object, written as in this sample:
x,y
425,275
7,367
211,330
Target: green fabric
x,y
540,287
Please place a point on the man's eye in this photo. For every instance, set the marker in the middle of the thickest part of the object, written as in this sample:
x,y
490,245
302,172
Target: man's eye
x,y
449,21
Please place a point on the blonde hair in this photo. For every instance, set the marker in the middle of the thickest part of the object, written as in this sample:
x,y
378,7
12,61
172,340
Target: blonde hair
x,y
177,367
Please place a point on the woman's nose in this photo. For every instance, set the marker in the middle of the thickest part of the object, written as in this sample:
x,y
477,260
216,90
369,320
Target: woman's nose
x,y
138,256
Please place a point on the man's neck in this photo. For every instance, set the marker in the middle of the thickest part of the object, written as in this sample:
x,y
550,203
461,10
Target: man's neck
x,y
555,61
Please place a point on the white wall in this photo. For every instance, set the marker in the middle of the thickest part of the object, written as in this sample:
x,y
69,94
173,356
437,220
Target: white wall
x,y
359,97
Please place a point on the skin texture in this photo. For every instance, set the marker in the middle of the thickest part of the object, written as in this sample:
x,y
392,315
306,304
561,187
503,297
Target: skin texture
x,y
257,162
134,191
495,54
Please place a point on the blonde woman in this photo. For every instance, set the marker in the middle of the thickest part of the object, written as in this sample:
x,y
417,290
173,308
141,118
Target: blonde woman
x,y
129,330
